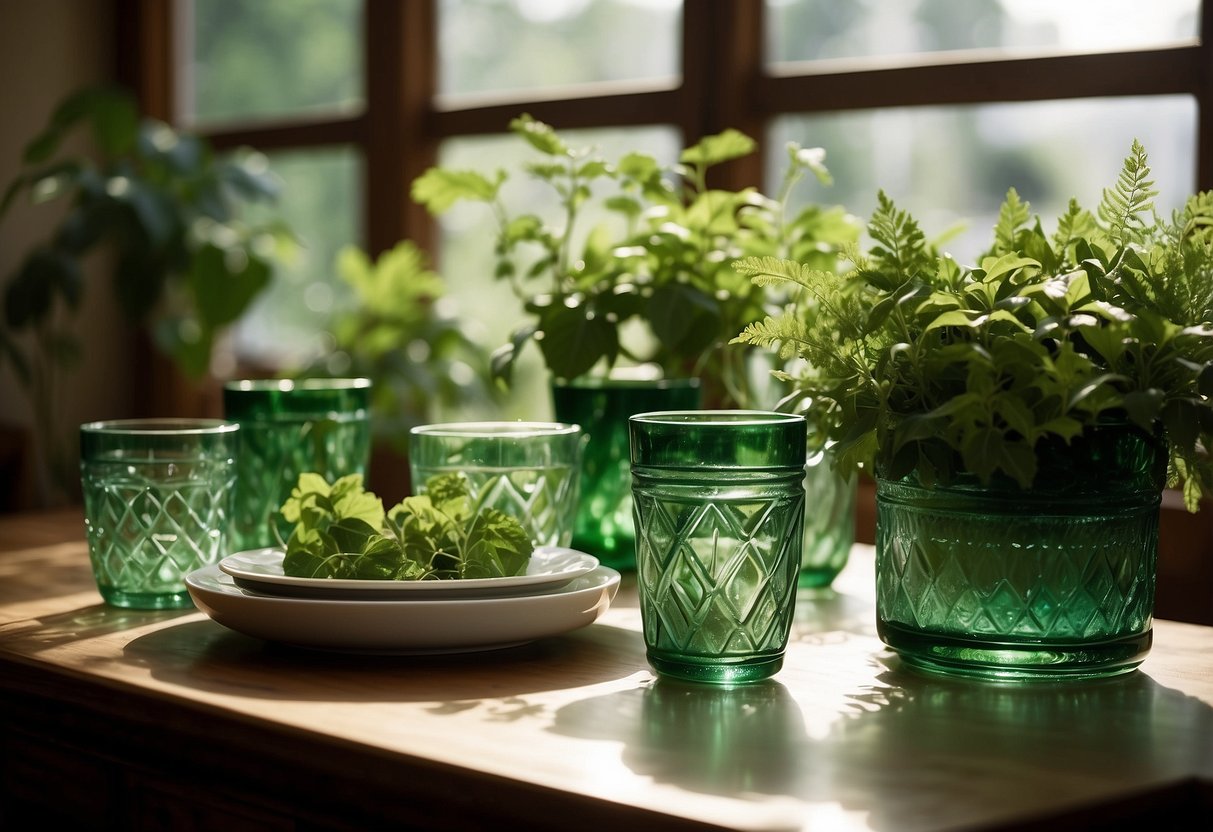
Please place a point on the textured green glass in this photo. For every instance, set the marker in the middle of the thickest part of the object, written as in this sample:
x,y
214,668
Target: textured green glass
x,y
602,406
1054,582
157,501
829,522
288,428
718,499
529,470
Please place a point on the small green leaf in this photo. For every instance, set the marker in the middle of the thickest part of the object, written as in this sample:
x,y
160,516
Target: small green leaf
x,y
539,135
721,147
438,188
996,268
1144,406
575,339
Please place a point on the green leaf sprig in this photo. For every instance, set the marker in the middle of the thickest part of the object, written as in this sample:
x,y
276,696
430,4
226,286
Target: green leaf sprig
x,y
914,363
342,531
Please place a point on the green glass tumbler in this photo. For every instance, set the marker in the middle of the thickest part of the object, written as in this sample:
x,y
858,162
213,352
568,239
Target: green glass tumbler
x,y
602,407
993,581
287,428
718,499
829,522
157,503
528,470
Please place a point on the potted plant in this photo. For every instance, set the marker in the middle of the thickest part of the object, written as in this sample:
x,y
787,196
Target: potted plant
x,y
186,263
403,334
638,316
1021,418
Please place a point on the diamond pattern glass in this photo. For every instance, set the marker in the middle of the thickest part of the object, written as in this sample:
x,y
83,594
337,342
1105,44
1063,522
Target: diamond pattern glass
x,y
157,501
529,470
1055,582
718,500
288,428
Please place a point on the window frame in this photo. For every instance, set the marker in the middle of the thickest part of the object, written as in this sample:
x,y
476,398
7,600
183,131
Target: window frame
x,y
722,50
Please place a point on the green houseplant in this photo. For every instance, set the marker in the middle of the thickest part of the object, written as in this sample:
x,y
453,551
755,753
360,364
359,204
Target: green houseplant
x,y
650,285
1021,418
401,332
186,263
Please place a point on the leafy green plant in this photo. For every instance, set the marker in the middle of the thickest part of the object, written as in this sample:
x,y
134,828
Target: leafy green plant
x,y
342,531
912,362
401,334
662,257
185,264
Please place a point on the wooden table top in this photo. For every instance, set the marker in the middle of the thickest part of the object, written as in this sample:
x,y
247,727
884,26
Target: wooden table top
x,y
841,739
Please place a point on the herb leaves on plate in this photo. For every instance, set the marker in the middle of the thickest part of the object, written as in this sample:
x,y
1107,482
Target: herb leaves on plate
x,y
342,531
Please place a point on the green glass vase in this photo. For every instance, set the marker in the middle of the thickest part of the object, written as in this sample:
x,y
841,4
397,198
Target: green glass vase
x,y
829,522
601,406
1053,582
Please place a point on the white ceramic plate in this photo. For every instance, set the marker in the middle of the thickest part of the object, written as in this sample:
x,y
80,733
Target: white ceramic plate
x,y
404,626
261,570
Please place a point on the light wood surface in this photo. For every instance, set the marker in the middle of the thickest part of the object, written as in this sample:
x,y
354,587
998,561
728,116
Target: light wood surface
x,y
574,731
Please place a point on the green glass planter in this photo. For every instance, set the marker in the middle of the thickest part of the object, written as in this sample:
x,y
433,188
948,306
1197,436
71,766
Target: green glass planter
x,y
1056,582
719,516
603,525
829,522
287,428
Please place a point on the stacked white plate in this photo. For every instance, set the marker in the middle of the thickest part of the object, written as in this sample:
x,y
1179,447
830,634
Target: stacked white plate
x,y
562,590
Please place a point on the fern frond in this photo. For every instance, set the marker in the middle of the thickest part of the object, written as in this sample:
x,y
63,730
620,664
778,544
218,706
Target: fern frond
x,y
1133,195
1012,215
1077,222
901,246
770,271
785,334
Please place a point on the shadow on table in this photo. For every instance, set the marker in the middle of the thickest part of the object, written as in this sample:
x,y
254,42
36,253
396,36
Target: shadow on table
x,y
912,751
205,655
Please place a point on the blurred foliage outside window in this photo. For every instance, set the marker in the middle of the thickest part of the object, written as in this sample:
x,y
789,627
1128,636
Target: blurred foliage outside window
x,y
951,166
554,44
819,30
322,203
268,59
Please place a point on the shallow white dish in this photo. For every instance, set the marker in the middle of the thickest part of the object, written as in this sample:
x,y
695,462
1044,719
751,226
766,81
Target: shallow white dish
x,y
404,626
261,570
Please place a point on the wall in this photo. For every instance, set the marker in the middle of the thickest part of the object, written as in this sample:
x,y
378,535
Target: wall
x,y
49,48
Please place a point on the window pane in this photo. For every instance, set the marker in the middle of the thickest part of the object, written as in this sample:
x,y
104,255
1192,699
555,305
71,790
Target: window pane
x,y
266,59
491,46
320,201
810,30
468,233
950,164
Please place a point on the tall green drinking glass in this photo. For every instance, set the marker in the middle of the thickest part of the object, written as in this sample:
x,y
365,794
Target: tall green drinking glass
x,y
602,406
320,425
157,501
719,513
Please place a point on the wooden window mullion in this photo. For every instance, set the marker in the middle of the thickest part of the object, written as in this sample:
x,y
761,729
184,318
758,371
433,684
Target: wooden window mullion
x,y
722,64
400,142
